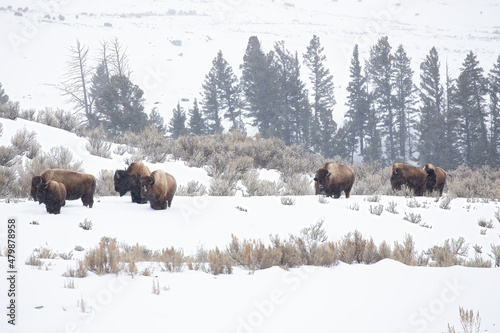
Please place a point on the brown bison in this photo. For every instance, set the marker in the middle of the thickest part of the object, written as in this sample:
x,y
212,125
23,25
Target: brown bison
x,y
53,195
436,178
78,185
159,188
130,180
413,177
334,178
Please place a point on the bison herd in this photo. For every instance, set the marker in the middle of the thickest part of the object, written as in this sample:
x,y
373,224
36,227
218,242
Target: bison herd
x,y
333,179
54,186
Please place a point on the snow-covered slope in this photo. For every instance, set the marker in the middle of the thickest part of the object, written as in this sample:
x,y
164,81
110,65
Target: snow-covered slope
x,y
384,297
171,44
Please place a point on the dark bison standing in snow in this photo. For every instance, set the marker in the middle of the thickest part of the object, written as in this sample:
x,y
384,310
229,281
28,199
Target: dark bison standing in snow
x,y
78,185
130,180
53,195
334,178
436,178
159,188
413,177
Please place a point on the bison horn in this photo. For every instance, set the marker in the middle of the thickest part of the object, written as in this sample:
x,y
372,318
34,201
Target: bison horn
x,y
315,179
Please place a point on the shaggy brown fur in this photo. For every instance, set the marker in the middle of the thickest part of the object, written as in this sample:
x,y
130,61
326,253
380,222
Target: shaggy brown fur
x,y
53,195
413,177
78,185
130,180
159,189
436,178
334,178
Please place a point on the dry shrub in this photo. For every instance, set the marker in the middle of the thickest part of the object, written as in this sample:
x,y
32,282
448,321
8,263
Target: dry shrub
x,y
193,188
96,144
451,253
9,110
79,272
405,253
172,259
105,258
352,248
219,262
469,322
105,183
297,184
257,187
25,143
371,179
254,254
199,261
480,183
137,253
152,145
8,178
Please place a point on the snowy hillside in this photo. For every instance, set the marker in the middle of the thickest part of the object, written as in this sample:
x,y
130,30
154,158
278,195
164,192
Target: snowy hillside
x,y
171,44
383,297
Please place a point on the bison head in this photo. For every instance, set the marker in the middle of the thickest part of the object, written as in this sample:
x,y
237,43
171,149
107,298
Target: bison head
x,y
35,181
430,181
122,182
322,179
43,193
147,183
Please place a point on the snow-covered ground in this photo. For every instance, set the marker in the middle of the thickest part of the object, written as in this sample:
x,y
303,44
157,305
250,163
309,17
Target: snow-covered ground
x,y
384,297
171,44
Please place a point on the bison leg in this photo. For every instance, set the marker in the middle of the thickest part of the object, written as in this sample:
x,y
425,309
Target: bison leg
x,y
88,200
347,193
336,195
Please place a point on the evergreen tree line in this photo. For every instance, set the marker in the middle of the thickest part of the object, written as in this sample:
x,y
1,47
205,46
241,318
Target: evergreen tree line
x,y
444,121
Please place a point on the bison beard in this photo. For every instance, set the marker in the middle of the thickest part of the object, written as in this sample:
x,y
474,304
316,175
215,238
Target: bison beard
x,y
53,195
334,178
130,180
413,177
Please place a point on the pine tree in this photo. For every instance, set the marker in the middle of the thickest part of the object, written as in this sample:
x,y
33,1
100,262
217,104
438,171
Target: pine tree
x,y
373,150
380,68
471,90
196,124
221,96
451,157
259,85
4,98
211,104
494,114
358,108
404,101
292,108
177,124
99,81
323,126
120,106
430,127
157,121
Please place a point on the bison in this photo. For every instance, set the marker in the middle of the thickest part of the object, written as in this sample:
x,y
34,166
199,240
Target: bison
x,y
436,178
130,180
413,177
78,185
53,195
159,188
334,178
